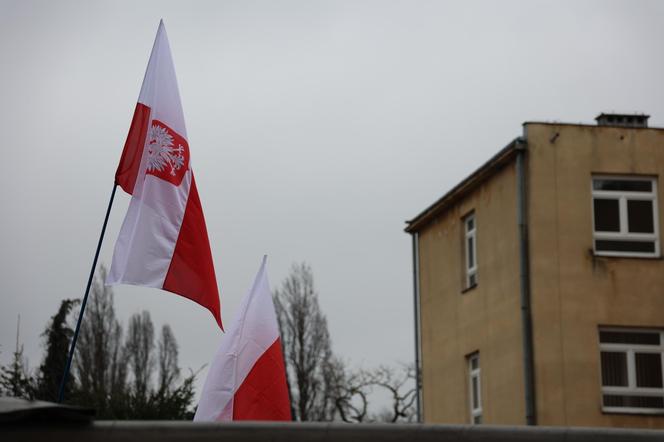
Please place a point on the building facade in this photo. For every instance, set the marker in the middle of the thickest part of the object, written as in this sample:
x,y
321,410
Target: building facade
x,y
539,282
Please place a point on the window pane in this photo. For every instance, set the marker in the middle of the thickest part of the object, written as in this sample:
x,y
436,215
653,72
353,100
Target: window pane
x,y
470,224
614,369
639,215
648,370
474,363
477,419
611,400
603,245
620,337
476,401
471,252
624,185
607,215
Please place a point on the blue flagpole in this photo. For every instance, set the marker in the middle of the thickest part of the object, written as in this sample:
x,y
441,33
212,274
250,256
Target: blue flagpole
x,y
65,375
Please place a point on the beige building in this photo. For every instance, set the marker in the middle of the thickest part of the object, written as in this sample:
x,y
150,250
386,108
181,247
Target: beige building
x,y
539,282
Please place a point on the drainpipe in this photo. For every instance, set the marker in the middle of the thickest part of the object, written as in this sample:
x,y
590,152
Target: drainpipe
x,y
524,279
416,307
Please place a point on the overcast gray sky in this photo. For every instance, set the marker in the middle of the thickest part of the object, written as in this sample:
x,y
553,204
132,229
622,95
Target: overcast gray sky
x,y
316,128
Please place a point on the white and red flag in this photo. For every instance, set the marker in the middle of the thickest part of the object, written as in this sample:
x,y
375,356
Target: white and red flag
x,y
163,241
247,378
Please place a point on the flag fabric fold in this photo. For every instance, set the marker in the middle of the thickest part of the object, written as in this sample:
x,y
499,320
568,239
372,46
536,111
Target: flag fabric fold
x,y
247,378
163,242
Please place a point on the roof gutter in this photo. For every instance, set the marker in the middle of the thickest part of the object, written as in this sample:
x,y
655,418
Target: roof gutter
x,y
418,330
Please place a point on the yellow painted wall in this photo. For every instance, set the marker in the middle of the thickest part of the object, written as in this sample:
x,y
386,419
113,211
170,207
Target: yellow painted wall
x,y
574,292
485,318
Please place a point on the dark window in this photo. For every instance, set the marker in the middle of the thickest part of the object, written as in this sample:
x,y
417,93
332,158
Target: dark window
x,y
648,370
607,215
631,363
603,245
628,337
640,216
623,185
614,369
611,400
476,391
471,252
624,217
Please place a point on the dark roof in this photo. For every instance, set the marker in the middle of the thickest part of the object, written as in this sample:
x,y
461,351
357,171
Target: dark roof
x,y
505,155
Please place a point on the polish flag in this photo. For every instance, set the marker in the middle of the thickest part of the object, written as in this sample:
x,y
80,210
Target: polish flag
x,y
247,378
163,241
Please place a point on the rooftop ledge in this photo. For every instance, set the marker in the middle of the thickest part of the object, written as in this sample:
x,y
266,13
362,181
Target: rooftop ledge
x,y
146,431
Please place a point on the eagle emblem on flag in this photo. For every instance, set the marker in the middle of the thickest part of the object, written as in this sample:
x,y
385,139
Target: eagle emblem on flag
x,y
167,153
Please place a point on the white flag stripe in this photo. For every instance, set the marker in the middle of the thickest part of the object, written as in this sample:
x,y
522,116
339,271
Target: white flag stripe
x,y
159,90
147,238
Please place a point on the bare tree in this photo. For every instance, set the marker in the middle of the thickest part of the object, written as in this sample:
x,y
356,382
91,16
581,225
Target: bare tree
x,y
172,398
400,385
351,393
306,346
139,347
99,362
321,388
169,372
355,390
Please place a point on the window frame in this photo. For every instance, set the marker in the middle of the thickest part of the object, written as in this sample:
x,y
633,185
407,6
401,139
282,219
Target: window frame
x,y
474,373
470,271
622,197
631,389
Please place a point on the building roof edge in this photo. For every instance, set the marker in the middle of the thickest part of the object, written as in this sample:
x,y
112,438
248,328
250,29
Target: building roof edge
x,y
479,175
559,123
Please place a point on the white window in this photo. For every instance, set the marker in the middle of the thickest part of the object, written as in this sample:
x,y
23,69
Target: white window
x,y
625,221
631,362
475,388
470,241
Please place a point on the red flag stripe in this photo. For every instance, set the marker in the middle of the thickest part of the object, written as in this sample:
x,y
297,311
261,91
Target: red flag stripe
x,y
125,175
263,395
191,272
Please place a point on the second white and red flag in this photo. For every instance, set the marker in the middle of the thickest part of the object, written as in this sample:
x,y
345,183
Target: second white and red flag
x,y
247,377
163,241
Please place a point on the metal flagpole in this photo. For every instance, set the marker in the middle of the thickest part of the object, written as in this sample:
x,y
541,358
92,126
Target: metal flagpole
x,y
65,375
